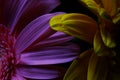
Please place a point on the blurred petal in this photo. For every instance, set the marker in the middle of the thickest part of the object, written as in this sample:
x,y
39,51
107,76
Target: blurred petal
x,y
116,19
99,47
37,30
77,25
79,67
17,77
110,6
40,72
30,10
93,5
98,68
96,7
50,55
10,9
107,33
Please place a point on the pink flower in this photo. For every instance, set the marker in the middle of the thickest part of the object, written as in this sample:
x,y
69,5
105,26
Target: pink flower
x,y
29,48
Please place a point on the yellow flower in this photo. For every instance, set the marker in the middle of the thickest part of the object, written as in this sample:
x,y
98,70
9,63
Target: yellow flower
x,y
100,62
105,8
88,66
75,24
83,27
92,64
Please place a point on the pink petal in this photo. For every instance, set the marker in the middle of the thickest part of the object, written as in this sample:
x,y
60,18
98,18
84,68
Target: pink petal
x,y
57,38
50,55
35,31
40,72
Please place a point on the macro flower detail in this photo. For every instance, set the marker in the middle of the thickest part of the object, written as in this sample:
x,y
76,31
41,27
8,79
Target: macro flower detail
x,y
101,61
29,48
7,59
108,9
75,24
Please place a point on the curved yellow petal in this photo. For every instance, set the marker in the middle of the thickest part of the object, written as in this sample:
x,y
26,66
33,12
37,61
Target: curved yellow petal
x,y
110,6
92,5
100,48
97,68
106,29
103,8
75,24
79,67
96,7
116,19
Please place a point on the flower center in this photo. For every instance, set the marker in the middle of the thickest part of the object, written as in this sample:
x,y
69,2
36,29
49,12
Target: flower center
x,y
7,55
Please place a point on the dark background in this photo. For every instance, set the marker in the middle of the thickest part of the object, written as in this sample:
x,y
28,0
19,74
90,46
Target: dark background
x,y
73,6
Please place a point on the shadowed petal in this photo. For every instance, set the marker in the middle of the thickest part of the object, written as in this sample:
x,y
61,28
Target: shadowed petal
x,y
110,6
16,14
98,68
77,25
96,7
11,9
29,11
116,19
79,67
107,33
50,55
57,38
101,50
36,30
93,5
40,72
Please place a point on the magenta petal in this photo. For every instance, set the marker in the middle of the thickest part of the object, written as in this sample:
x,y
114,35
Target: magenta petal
x,y
50,55
38,72
35,31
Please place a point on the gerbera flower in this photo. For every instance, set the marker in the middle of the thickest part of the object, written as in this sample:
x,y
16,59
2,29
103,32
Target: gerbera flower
x,y
102,61
28,46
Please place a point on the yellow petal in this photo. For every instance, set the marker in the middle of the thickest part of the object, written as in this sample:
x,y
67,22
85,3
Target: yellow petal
x,y
99,47
75,24
92,5
79,67
106,33
102,8
116,19
97,68
95,6
110,6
